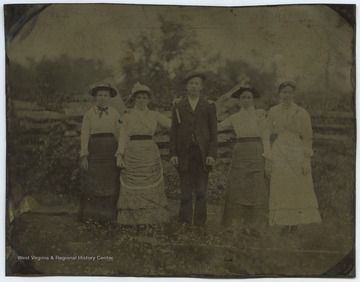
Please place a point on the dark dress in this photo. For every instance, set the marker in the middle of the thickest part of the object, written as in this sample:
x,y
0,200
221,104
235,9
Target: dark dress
x,y
100,183
246,189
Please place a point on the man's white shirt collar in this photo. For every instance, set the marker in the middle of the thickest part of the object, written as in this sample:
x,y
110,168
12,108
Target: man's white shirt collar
x,y
193,102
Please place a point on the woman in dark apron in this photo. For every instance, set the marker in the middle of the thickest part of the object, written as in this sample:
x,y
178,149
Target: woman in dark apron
x,y
99,142
246,189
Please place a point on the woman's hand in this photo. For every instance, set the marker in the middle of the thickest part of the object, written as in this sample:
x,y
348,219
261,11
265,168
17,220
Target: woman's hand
x,y
120,161
210,161
84,162
268,167
174,161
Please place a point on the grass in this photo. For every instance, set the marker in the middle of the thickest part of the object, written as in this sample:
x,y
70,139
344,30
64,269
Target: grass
x,y
175,249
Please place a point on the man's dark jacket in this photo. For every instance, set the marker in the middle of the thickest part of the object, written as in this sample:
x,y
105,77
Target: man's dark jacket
x,y
186,123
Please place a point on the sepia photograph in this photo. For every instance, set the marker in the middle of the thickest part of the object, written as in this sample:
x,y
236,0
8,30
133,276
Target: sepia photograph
x,y
180,141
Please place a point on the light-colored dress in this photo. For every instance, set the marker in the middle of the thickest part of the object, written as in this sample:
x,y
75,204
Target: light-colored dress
x,y
246,187
142,197
292,198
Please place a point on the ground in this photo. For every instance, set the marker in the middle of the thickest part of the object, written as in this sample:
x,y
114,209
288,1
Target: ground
x,y
173,249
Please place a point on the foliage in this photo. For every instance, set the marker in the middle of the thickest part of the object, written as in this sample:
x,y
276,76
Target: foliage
x,y
49,163
236,71
51,82
159,61
157,58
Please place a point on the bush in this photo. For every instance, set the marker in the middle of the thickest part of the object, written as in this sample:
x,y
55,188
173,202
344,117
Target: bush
x,y
51,167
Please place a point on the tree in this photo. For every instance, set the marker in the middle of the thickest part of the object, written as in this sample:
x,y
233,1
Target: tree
x,y
156,58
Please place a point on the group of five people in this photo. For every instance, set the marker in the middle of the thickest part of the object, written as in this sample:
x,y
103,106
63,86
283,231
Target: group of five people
x,y
137,194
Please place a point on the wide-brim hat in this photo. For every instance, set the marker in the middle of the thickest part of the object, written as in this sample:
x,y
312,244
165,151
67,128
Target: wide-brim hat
x,y
192,74
138,87
285,83
241,88
103,86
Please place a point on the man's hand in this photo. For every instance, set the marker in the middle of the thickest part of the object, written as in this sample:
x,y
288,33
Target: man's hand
x,y
84,162
120,161
176,101
210,161
174,161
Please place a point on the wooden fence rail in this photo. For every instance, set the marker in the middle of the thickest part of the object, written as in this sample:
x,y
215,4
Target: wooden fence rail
x,y
35,121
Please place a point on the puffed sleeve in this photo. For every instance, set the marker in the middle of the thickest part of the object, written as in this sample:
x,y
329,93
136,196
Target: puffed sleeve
x,y
124,135
265,136
225,124
306,132
268,131
175,122
117,125
212,123
163,120
85,135
270,127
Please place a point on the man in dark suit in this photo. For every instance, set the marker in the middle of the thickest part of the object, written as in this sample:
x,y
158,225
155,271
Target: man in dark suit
x,y
193,145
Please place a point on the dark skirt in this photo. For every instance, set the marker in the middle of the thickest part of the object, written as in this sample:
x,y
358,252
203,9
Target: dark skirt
x,y
101,183
246,189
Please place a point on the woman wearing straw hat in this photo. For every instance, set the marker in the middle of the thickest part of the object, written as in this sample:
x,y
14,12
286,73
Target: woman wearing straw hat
x,y
99,134
246,190
142,195
292,200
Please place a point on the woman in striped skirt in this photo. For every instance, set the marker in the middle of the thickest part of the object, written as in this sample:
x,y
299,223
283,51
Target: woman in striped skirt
x,y
142,198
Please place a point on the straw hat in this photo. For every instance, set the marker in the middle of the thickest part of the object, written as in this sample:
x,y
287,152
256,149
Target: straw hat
x,y
102,86
285,83
138,87
242,87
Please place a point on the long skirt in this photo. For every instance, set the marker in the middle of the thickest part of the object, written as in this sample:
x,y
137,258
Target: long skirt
x,y
101,181
246,190
292,197
142,196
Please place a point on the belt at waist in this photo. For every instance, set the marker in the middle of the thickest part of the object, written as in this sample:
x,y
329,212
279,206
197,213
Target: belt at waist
x,y
141,137
99,135
248,139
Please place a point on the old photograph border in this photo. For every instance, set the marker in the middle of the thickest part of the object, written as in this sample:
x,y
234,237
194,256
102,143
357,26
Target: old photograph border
x,y
29,202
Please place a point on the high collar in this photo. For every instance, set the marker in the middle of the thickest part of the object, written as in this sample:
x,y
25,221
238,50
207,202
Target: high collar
x,y
250,109
287,107
101,110
136,109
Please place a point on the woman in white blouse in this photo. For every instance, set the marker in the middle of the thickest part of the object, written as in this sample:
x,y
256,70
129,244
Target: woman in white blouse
x,y
292,200
99,134
246,190
142,194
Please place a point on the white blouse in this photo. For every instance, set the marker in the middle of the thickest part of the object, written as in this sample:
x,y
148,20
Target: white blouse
x,y
92,124
292,119
248,123
138,122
